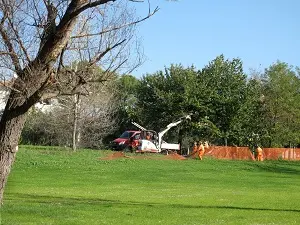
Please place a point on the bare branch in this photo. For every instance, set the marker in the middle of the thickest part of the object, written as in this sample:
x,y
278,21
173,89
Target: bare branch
x,y
117,28
61,64
5,53
9,45
9,85
51,95
108,49
89,5
75,8
20,42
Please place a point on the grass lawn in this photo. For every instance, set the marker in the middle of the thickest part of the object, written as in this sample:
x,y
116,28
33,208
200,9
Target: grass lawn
x,y
56,186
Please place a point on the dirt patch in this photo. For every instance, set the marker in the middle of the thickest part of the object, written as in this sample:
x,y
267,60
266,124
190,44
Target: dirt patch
x,y
174,156
115,155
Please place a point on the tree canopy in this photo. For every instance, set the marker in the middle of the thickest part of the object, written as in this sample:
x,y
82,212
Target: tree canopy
x,y
229,107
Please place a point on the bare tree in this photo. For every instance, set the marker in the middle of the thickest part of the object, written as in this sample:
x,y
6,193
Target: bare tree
x,y
91,117
97,115
38,38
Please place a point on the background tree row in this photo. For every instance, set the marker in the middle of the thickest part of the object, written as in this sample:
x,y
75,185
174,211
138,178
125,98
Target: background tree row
x,y
229,107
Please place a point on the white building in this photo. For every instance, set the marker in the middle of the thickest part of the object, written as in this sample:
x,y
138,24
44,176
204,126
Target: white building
x,y
4,91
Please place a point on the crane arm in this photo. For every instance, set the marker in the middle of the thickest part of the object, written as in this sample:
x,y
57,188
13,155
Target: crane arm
x,y
138,126
161,134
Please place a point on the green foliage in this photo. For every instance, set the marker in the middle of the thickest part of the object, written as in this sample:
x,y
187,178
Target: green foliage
x,y
225,84
228,108
214,94
127,91
127,110
282,103
249,122
57,186
165,96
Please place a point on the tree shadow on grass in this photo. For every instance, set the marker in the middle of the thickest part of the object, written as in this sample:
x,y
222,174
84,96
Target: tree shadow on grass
x,y
277,167
109,203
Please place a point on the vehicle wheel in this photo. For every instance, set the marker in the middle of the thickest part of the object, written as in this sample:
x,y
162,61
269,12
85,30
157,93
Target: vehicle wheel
x,y
164,152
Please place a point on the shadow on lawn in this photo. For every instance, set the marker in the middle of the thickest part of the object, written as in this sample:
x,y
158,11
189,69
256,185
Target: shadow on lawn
x,y
110,203
278,167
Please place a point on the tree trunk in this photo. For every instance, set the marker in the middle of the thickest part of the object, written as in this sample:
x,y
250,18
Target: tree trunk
x,y
180,140
28,89
12,123
32,80
75,122
10,131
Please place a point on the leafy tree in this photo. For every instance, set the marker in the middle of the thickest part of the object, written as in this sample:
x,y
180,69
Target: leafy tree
x,y
127,99
281,91
214,95
225,86
249,126
165,96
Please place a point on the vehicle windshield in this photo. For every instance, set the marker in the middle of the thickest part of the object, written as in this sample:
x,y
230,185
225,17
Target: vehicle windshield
x,y
126,134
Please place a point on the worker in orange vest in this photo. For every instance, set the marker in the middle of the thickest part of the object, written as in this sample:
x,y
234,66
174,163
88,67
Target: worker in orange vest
x,y
206,145
259,154
148,137
201,150
195,149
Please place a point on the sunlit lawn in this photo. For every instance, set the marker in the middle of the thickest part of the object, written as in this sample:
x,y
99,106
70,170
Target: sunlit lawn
x,y
56,186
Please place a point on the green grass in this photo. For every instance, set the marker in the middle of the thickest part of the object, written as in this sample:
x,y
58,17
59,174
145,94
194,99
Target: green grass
x,y
57,186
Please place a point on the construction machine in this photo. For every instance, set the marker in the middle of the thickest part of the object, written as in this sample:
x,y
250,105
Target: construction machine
x,y
150,141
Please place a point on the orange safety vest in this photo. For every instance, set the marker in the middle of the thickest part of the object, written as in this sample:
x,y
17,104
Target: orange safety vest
x,y
195,148
201,148
259,151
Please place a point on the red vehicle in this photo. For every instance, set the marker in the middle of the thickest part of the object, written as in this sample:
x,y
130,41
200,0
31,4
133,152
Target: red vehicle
x,y
146,140
127,140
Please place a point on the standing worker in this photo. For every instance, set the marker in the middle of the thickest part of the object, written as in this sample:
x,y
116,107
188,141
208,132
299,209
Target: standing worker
x,y
206,145
201,150
195,149
259,154
148,137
